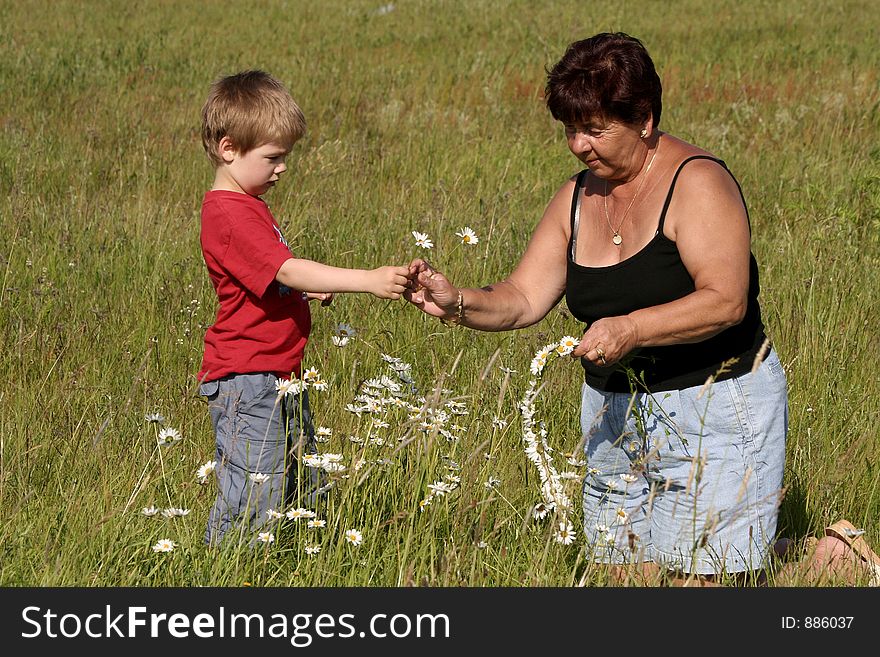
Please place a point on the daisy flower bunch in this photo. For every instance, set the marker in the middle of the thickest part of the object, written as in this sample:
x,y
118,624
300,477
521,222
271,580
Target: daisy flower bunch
x,y
376,395
537,449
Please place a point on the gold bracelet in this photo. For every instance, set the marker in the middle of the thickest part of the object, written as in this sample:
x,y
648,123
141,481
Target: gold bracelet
x,y
455,320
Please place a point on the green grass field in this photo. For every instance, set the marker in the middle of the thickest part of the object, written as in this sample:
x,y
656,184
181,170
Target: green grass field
x,y
422,116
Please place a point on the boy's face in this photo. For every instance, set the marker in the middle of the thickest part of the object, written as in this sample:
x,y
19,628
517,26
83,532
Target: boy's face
x,y
253,172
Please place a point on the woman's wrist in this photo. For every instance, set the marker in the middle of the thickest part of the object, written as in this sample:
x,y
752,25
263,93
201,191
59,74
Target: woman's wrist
x,y
634,331
458,314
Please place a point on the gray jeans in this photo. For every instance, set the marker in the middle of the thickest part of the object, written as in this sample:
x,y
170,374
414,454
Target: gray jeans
x,y
257,433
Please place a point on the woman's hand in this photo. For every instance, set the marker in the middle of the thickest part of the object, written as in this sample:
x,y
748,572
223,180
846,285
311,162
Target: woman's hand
x,y
430,291
608,340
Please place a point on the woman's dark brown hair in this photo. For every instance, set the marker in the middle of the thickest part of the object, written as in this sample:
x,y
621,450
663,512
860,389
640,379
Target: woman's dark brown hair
x,y
609,76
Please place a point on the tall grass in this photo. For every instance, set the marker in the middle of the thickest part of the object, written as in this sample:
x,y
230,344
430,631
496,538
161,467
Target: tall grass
x,y
426,116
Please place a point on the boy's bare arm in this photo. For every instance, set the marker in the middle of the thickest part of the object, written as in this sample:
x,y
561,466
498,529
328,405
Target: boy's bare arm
x,y
309,276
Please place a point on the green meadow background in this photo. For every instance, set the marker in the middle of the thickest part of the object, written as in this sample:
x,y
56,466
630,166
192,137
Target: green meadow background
x,y
422,116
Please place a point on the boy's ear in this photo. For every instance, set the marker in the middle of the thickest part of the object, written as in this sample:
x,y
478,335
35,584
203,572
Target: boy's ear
x,y
226,150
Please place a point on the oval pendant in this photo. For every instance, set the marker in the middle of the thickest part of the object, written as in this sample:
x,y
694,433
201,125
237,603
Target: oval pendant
x,y
617,239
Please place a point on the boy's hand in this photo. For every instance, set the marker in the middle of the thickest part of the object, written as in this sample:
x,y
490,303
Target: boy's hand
x,y
388,282
326,298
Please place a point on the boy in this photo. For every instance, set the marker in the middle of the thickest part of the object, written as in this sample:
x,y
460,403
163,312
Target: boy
x,y
249,125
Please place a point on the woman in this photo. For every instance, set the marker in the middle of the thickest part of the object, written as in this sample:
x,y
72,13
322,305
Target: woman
x,y
684,403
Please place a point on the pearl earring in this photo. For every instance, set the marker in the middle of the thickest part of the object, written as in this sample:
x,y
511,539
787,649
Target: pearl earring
x,y
643,133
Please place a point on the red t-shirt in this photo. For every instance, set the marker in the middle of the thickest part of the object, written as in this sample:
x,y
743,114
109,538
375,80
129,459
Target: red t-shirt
x,y
261,325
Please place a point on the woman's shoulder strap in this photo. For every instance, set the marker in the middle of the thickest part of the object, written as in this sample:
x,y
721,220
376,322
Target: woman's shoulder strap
x,y
675,179
576,197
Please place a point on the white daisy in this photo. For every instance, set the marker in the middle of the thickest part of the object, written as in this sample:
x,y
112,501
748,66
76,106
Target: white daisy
x,y
274,515
297,514
566,345
311,374
314,523
340,340
206,470
440,488
323,432
259,478
468,236
332,462
344,331
164,545
628,477
319,384
287,387
541,510
169,436
538,363
492,482
266,537
354,536
174,512
499,423
565,535
620,516
576,462
158,418
482,545
313,460
423,240
312,550
149,511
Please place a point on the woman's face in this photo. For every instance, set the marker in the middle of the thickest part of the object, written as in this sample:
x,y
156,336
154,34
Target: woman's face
x,y
611,150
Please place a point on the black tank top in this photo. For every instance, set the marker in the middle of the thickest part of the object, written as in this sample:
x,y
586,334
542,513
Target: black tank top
x,y
653,276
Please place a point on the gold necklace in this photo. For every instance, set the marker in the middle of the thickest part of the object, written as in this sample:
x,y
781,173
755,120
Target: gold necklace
x,y
616,238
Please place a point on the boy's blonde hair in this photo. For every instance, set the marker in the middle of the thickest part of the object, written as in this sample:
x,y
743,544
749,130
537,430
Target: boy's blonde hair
x,y
252,108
